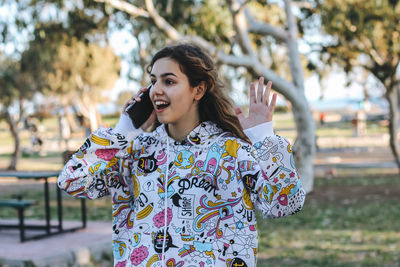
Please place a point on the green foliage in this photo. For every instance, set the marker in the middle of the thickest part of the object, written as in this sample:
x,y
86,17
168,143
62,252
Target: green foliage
x,y
366,33
8,83
15,83
65,65
212,21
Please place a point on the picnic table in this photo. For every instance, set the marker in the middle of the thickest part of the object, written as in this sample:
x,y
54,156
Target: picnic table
x,y
20,204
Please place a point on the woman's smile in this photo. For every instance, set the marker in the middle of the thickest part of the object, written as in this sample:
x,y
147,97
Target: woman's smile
x,y
160,105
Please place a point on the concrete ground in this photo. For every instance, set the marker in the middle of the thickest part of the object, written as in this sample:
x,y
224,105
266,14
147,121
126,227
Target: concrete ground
x,y
86,247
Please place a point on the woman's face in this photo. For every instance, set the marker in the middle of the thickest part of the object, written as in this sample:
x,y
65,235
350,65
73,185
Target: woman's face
x,y
171,94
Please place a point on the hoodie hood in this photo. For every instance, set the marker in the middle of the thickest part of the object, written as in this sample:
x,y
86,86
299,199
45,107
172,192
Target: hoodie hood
x,y
202,135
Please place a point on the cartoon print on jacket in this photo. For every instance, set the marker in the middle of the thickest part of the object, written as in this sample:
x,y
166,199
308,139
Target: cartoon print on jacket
x,y
189,203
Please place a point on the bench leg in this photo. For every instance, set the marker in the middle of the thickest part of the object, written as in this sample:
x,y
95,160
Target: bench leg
x,y
83,212
47,205
21,224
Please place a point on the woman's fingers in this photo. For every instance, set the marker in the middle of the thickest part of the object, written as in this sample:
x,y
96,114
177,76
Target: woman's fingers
x,y
134,98
149,121
267,92
263,94
252,93
272,104
260,90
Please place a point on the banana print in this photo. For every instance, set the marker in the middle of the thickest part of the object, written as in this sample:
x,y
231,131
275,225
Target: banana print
x,y
145,212
100,141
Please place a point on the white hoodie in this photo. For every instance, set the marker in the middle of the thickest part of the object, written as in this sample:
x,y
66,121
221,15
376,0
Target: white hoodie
x,y
203,213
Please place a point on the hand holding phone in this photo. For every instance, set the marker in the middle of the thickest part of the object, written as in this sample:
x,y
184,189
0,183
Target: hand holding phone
x,y
140,111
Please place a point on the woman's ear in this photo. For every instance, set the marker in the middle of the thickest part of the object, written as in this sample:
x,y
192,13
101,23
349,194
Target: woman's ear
x,y
200,90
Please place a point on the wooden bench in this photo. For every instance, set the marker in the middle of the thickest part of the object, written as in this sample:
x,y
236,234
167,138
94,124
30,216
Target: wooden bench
x,y
20,206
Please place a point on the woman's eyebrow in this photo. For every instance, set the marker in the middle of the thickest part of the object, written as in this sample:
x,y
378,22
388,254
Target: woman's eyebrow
x,y
164,74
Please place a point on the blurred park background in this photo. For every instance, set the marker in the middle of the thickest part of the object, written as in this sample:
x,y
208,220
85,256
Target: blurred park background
x,y
67,67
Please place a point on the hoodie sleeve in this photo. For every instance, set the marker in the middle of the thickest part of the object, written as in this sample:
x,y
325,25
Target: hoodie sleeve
x,y
268,172
96,166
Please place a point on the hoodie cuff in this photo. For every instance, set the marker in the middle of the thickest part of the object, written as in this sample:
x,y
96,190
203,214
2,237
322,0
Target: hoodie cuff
x,y
125,126
260,131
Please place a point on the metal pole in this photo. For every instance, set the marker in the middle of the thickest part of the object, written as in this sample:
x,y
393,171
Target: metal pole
x,y
83,205
21,224
47,205
59,209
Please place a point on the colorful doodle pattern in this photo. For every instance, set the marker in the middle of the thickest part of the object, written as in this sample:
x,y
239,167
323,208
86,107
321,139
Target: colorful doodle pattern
x,y
213,186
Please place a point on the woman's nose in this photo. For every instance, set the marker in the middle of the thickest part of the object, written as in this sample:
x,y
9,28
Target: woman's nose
x,y
157,88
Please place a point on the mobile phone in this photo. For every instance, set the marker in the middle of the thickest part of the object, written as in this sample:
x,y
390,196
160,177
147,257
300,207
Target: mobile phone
x,y
139,112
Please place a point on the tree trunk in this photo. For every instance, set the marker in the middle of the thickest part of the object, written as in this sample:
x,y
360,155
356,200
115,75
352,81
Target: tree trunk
x,y
98,118
70,118
17,144
89,110
304,146
93,117
394,118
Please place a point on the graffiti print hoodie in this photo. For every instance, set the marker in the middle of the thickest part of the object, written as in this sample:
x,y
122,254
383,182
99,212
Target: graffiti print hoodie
x,y
189,203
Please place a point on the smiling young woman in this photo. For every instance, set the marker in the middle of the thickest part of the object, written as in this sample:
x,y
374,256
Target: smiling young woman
x,y
185,193
212,104
174,99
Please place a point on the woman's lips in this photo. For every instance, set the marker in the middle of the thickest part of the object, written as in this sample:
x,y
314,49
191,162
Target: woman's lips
x,y
160,109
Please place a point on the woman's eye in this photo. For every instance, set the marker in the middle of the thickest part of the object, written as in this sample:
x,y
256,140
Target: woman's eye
x,y
153,82
169,82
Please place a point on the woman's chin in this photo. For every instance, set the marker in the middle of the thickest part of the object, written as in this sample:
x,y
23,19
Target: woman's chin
x,y
162,119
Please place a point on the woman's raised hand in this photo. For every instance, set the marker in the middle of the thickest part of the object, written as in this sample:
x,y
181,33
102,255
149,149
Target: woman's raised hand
x,y
261,108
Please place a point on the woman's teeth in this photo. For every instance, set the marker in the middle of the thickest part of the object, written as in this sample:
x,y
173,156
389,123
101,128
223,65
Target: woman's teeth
x,y
161,104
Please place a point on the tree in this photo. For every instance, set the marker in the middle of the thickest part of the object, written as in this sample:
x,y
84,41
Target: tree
x,y
365,34
15,89
238,43
77,45
78,82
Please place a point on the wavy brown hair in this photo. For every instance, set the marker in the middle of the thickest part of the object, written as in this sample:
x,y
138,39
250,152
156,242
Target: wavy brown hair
x,y
214,106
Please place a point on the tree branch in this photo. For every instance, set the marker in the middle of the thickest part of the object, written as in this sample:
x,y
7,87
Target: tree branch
x,y
265,28
293,52
161,22
126,7
249,60
239,23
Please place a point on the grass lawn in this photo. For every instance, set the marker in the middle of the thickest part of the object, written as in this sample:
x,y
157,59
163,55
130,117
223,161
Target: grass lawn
x,y
346,221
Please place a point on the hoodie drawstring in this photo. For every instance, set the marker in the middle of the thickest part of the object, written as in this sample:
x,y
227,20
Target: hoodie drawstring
x,y
165,205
